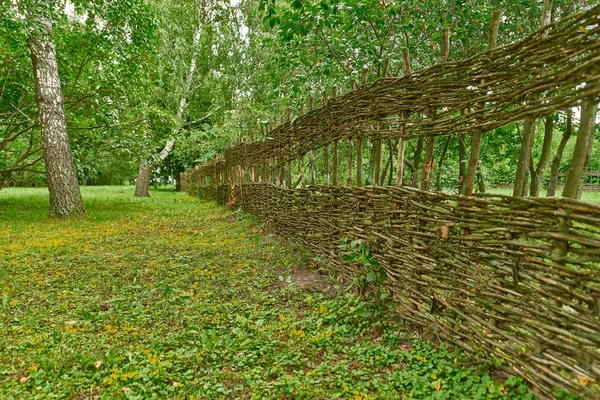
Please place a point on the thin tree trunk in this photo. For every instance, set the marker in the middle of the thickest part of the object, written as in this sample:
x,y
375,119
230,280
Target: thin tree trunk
x,y
462,163
376,161
469,181
417,162
538,173
401,160
524,158
438,178
388,163
523,165
480,179
584,136
430,143
65,197
471,174
427,163
143,179
585,166
551,187
400,163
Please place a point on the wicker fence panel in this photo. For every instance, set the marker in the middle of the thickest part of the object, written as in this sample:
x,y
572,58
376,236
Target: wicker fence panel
x,y
512,278
496,282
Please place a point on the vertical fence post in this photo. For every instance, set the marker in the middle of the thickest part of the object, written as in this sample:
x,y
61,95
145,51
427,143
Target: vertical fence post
x,y
288,164
334,169
400,165
325,151
350,159
350,146
365,73
358,161
302,173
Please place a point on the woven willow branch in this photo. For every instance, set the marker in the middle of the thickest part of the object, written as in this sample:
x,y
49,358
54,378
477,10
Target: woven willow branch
x,y
506,277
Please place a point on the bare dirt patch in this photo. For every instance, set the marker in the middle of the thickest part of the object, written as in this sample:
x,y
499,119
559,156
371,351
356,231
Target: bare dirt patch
x,y
306,279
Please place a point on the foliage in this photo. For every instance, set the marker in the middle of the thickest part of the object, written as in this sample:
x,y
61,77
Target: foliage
x,y
357,251
104,52
170,297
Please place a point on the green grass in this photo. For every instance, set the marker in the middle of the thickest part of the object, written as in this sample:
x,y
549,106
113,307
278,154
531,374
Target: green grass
x,y
590,197
173,297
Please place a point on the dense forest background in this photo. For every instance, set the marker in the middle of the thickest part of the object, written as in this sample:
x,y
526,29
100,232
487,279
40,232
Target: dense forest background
x,y
159,85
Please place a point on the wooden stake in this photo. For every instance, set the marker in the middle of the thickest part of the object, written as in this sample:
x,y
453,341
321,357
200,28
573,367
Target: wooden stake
x,y
386,67
469,182
358,161
326,163
302,176
406,57
400,165
334,171
350,159
313,172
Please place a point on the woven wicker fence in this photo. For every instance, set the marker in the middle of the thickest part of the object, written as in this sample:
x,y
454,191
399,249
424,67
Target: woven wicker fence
x,y
499,276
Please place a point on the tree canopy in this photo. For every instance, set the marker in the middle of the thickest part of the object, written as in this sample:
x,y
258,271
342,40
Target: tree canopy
x,y
125,73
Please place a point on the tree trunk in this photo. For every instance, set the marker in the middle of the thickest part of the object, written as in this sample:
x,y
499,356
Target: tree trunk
x,y
438,178
524,158
480,179
65,197
462,163
585,166
525,161
143,179
142,182
427,163
417,162
584,136
473,168
551,187
538,173
469,181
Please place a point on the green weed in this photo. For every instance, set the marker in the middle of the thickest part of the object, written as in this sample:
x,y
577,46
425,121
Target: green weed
x,y
173,297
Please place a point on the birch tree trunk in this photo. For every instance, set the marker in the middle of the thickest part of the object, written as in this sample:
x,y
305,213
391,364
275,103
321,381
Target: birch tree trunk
x,y
586,165
538,173
551,187
65,197
142,182
584,137
471,171
524,163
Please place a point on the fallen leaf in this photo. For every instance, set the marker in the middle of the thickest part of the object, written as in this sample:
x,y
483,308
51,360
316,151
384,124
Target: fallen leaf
x,y
583,380
98,364
126,389
438,384
24,379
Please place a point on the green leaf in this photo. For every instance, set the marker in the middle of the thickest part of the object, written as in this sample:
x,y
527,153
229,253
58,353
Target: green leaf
x,y
363,312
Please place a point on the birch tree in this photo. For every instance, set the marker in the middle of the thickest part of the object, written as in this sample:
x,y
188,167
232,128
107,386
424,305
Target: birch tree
x,y
65,197
148,164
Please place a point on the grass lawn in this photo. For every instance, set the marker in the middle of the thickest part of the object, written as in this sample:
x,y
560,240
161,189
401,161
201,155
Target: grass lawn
x,y
174,297
590,197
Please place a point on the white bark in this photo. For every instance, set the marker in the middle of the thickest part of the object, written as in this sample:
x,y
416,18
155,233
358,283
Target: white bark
x,y
143,180
65,197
